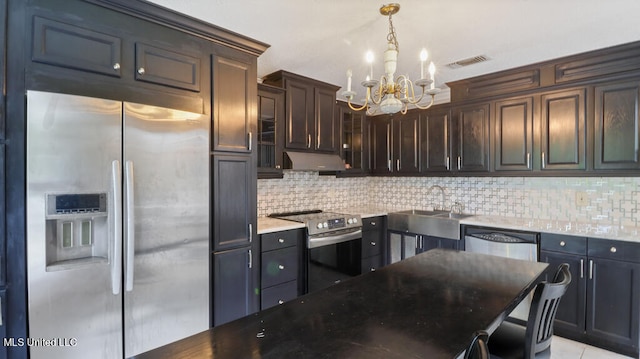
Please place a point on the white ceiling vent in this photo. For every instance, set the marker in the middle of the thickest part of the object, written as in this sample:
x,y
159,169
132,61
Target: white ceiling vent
x,y
469,61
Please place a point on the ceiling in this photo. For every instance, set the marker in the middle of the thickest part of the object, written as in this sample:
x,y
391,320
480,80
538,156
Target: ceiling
x,y
322,39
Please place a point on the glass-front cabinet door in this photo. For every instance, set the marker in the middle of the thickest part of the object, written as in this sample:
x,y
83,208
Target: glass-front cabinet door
x,y
270,116
352,139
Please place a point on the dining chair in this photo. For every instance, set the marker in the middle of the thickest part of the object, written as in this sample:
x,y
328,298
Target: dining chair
x,y
513,340
477,349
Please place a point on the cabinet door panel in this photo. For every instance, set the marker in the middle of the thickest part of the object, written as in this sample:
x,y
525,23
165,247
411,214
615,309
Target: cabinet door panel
x,y
299,116
65,45
473,138
570,317
233,197
614,292
326,127
563,130
233,285
406,135
434,142
617,128
164,67
380,132
514,135
234,98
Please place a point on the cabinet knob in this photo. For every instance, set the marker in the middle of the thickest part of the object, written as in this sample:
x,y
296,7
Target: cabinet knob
x,y
372,269
280,240
280,266
373,243
141,71
280,301
373,223
562,244
613,249
116,66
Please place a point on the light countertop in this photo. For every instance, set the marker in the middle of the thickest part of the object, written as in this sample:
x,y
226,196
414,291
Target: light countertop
x,y
631,234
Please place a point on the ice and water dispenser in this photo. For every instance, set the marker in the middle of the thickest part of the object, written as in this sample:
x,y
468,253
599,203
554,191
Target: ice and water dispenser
x,y
76,229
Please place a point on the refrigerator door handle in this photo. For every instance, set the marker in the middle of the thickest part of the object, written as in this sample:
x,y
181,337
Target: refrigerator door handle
x,y
116,238
129,241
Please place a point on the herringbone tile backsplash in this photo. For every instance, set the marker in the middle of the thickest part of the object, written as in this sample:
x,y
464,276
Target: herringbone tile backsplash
x,y
608,200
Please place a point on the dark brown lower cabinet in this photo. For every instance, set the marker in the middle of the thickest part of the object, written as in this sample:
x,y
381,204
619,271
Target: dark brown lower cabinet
x,y
373,230
281,268
234,284
601,306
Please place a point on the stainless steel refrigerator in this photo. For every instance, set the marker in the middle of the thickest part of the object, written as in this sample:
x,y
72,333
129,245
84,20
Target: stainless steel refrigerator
x,y
117,226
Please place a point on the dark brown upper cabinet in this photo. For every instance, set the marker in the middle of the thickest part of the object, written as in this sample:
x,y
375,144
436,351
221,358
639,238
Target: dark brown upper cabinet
x,y
353,139
617,126
270,131
380,150
234,96
513,126
165,67
470,139
406,143
310,116
563,130
435,150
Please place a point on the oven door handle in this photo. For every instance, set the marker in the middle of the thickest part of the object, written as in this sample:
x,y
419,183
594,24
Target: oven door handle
x,y
328,240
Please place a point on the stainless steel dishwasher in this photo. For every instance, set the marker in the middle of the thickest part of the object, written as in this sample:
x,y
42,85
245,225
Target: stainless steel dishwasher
x,y
505,243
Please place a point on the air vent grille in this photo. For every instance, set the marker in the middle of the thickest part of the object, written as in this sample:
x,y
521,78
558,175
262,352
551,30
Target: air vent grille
x,y
469,61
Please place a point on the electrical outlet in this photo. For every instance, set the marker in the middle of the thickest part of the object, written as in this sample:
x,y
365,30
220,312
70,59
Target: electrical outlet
x,y
582,199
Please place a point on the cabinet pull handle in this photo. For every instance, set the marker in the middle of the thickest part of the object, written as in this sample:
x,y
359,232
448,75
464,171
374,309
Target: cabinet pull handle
x,y
459,162
280,266
309,141
448,164
528,160
389,145
389,165
544,165
250,259
250,232
141,71
398,165
581,268
563,243
250,140
116,66
280,240
591,268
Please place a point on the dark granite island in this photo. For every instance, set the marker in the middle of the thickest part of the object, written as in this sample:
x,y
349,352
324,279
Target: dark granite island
x,y
427,306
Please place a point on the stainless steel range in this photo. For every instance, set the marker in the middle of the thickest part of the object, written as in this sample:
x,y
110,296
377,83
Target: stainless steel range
x,y
333,246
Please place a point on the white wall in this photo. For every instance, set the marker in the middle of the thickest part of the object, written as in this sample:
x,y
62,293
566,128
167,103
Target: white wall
x,y
610,200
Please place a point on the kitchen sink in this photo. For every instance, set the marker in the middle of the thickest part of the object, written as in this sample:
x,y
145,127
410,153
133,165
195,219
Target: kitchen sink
x,y
443,224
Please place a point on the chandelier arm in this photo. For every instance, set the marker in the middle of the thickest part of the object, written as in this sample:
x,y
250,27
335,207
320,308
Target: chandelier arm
x,y
366,102
380,91
429,105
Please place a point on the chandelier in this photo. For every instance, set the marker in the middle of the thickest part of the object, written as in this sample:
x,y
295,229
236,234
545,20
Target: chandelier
x,y
393,94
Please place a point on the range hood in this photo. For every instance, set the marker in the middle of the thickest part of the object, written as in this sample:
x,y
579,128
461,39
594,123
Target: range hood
x,y
305,161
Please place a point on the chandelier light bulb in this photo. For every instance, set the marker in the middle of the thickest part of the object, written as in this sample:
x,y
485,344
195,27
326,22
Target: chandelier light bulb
x,y
432,73
423,57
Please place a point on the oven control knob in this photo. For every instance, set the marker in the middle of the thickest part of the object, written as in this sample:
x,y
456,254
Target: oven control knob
x,y
355,220
350,221
319,226
325,225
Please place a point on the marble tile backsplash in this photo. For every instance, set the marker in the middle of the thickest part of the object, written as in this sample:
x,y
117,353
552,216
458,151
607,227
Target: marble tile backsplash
x,y
607,200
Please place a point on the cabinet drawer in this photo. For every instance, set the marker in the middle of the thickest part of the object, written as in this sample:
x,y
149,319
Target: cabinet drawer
x,y
617,250
372,223
371,244
563,243
164,67
279,266
279,294
371,264
278,240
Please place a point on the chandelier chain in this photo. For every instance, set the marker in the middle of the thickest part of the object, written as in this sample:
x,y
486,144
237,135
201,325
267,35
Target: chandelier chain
x,y
391,37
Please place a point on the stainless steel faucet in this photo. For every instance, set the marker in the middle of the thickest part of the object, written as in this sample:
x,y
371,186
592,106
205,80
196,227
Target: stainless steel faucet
x,y
441,192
